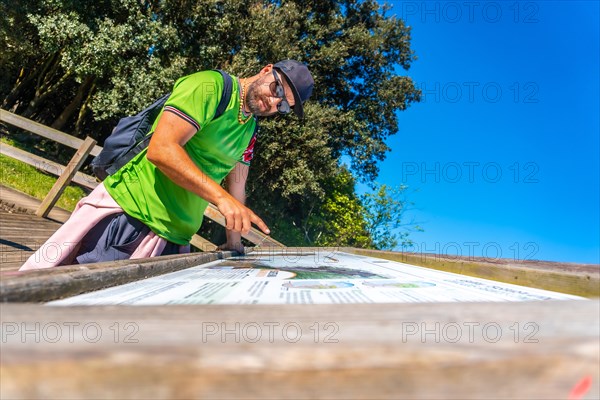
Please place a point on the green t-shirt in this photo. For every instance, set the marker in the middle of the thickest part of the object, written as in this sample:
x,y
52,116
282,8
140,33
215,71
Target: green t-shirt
x,y
145,193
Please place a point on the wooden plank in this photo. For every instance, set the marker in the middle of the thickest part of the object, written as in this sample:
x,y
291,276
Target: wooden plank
x,y
14,244
13,262
65,177
10,222
65,281
12,266
20,234
36,237
529,350
255,236
17,219
578,279
21,205
22,237
46,165
44,131
16,228
202,244
14,256
10,244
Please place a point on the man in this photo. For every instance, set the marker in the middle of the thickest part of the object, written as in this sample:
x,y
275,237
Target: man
x,y
155,203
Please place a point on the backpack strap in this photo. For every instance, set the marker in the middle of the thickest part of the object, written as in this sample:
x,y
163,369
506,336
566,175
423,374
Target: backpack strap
x,y
227,88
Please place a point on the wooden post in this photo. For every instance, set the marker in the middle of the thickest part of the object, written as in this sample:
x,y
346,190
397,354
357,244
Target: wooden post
x,y
65,178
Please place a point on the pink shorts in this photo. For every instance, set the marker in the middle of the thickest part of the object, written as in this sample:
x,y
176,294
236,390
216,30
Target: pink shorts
x,y
61,248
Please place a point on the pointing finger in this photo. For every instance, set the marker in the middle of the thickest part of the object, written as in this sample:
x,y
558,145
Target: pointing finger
x,y
260,223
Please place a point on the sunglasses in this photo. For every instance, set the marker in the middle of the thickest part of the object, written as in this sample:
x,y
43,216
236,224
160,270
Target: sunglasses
x,y
278,91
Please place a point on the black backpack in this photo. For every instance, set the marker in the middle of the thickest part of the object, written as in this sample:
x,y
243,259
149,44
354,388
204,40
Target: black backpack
x,y
130,136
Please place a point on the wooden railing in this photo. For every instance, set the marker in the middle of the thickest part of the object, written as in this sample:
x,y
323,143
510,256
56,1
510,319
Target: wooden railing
x,y
71,172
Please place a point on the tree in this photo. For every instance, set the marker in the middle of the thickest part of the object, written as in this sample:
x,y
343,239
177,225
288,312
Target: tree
x,y
385,210
341,219
109,57
87,64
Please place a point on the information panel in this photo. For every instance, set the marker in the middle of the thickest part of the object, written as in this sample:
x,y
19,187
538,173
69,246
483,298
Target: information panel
x,y
314,278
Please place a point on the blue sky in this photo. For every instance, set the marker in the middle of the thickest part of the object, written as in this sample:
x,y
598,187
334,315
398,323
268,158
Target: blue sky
x,y
502,154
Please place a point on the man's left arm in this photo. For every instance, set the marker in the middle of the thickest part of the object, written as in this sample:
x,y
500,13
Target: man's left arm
x,y
235,184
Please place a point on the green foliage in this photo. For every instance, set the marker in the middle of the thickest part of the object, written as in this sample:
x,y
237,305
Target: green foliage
x,y
79,66
340,221
385,209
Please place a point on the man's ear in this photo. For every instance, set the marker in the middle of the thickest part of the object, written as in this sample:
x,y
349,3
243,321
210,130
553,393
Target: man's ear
x,y
266,69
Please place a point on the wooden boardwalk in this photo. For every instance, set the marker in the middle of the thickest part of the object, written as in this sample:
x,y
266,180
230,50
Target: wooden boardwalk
x,y
21,232
20,236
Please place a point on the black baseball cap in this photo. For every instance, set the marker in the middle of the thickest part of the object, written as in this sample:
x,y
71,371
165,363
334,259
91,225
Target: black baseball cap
x,y
300,80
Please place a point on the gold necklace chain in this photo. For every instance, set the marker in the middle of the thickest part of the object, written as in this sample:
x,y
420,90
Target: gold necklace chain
x,y
241,112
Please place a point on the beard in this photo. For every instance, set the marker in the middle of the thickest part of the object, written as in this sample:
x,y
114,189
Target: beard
x,y
255,101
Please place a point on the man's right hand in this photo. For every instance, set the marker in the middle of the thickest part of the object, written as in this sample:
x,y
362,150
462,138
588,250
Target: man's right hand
x,y
238,217
167,144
